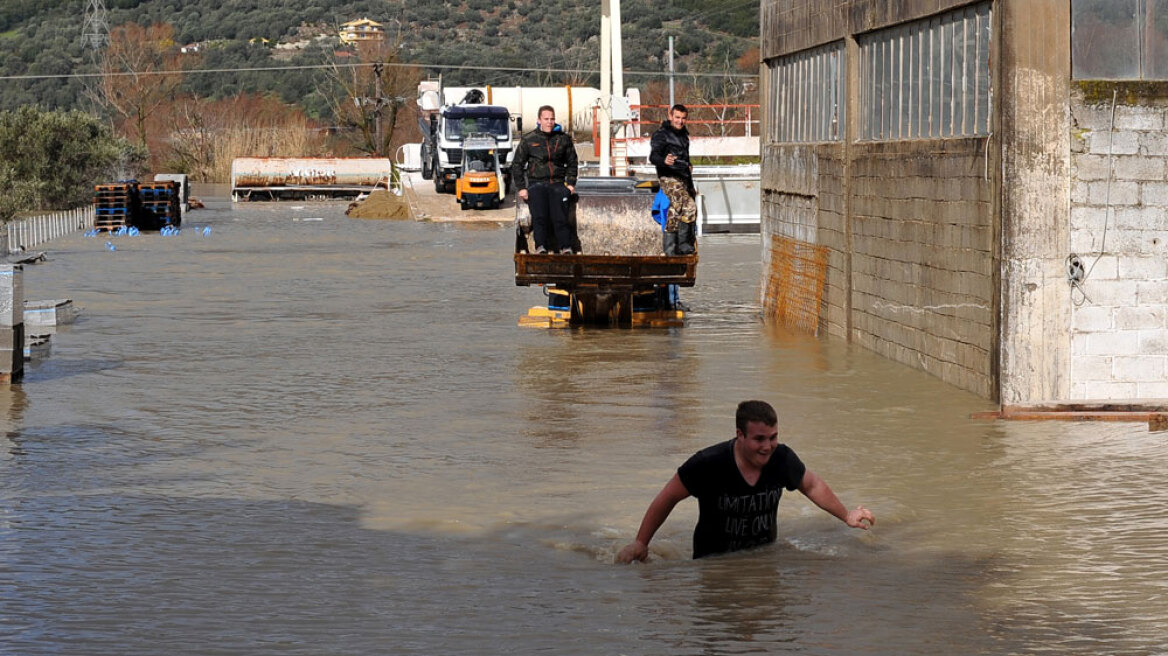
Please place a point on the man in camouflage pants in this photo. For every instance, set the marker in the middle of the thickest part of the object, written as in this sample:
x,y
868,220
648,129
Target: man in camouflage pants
x,y
669,152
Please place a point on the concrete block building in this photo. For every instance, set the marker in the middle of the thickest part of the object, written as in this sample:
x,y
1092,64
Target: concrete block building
x,y
975,189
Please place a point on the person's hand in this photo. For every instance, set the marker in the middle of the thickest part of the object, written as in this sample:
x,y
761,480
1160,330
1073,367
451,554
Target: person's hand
x,y
670,159
523,195
571,188
857,517
634,551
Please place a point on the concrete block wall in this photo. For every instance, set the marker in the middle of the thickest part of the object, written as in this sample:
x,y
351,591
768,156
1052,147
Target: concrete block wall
x,y
923,264
913,271
833,233
1119,230
909,226
803,199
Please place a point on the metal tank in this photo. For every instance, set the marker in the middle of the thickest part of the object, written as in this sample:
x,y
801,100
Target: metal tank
x,y
305,177
576,102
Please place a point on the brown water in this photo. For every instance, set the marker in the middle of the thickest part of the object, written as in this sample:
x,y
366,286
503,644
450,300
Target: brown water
x,y
330,437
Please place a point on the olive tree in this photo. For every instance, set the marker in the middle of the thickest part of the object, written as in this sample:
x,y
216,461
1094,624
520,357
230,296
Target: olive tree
x,y
52,159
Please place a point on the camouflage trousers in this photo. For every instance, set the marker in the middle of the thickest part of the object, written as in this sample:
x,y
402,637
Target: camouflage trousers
x,y
682,207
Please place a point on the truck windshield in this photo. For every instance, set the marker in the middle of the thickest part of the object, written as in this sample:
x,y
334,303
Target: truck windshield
x,y
456,129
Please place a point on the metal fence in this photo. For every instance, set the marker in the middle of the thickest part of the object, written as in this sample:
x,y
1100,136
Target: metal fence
x,y
23,234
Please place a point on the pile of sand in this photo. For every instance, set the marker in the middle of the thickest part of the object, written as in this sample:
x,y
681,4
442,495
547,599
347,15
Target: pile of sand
x,y
380,205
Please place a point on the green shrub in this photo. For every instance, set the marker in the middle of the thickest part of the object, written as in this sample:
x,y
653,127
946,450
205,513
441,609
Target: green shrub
x,y
53,159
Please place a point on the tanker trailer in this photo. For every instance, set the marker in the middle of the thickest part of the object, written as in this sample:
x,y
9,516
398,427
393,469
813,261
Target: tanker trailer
x,y
287,178
568,101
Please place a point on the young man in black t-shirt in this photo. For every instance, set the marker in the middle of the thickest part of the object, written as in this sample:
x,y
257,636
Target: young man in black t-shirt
x,y
738,485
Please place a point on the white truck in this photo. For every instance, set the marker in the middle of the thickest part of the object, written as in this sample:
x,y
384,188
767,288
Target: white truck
x,y
449,124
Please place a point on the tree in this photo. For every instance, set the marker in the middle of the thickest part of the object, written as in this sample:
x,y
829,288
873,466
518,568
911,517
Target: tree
x,y
51,160
140,69
367,97
205,136
18,194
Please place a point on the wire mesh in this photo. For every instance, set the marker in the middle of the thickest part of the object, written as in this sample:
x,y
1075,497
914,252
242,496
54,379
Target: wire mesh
x,y
795,281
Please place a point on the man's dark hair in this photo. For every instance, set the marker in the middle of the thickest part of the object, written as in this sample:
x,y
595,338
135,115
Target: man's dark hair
x,y
759,411
545,108
679,108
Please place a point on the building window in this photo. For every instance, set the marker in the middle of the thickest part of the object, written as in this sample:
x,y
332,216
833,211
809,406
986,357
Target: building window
x,y
929,79
1119,39
807,89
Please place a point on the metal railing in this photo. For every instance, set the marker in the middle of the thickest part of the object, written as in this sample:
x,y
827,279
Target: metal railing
x,y
23,234
722,120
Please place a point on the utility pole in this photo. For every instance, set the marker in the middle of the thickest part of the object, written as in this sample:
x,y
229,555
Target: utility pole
x,y
672,102
378,67
612,84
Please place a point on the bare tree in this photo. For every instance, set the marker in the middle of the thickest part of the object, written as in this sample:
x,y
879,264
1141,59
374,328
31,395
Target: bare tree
x,y
725,93
140,70
369,96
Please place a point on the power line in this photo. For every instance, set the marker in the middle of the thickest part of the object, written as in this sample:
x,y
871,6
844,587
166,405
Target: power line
x,y
724,9
468,67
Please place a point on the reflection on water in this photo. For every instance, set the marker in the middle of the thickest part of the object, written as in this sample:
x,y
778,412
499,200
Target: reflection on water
x,y
304,437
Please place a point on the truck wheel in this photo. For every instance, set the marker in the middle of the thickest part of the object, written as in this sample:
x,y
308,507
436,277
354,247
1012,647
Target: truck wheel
x,y
427,169
439,185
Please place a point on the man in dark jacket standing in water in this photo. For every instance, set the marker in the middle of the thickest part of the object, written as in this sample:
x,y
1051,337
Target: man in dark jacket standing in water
x,y
738,485
544,171
669,152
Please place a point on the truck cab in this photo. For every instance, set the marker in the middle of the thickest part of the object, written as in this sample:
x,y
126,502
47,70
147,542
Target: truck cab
x,y
450,127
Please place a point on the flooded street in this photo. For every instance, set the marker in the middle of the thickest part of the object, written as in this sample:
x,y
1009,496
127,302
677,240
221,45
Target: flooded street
x,y
307,434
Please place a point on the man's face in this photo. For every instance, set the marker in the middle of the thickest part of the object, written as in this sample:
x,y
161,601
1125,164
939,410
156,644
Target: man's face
x,y
547,121
676,119
758,442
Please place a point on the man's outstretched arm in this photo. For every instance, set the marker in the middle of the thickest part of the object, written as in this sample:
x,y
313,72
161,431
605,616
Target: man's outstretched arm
x,y
815,488
655,516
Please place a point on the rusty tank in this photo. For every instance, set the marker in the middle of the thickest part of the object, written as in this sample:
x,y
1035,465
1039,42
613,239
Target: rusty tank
x,y
306,178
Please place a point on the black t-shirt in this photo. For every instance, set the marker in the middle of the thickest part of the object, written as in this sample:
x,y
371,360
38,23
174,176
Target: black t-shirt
x,y
731,514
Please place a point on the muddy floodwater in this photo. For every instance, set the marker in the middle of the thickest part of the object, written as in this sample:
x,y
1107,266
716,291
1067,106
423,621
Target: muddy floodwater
x,y
301,433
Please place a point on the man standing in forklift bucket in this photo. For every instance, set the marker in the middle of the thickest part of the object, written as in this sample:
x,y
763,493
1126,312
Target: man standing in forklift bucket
x,y
669,152
544,172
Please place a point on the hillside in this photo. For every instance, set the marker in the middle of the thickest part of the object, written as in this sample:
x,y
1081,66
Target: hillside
x,y
467,41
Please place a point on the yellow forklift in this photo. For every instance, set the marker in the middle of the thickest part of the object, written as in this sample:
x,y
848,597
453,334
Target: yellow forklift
x,y
480,181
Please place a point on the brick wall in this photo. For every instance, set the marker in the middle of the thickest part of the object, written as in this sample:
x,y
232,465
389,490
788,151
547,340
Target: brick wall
x,y
1119,326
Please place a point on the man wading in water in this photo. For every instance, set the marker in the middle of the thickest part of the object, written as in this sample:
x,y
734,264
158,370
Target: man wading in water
x,y
738,485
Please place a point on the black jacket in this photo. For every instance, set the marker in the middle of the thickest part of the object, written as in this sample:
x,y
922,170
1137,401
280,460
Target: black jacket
x,y
544,157
667,141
